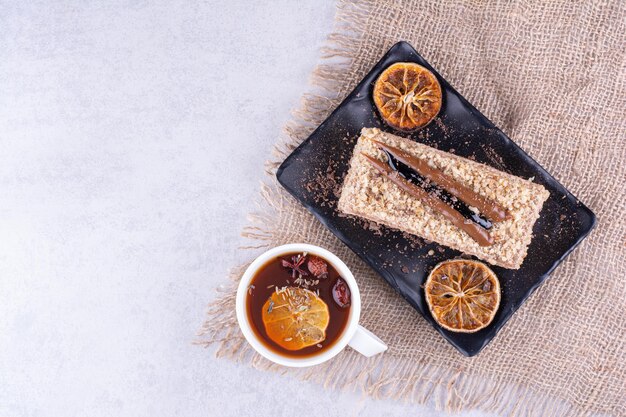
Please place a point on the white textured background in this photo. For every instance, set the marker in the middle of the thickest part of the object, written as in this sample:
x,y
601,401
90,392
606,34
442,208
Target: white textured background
x,y
132,141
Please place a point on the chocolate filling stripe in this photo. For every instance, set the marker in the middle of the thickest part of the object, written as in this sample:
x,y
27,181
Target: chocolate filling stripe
x,y
490,209
430,187
479,234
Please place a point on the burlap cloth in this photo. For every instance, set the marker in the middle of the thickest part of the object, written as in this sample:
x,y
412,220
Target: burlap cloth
x,y
551,74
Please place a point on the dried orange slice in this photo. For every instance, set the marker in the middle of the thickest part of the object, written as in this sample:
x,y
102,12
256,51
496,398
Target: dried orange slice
x,y
407,95
295,318
462,295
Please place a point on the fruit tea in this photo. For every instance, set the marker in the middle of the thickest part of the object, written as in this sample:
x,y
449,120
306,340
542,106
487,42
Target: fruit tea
x,y
298,304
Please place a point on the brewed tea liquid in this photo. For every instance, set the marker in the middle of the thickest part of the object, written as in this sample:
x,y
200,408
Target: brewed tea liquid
x,y
272,275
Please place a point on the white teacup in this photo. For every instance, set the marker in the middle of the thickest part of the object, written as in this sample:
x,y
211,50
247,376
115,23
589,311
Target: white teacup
x,y
354,335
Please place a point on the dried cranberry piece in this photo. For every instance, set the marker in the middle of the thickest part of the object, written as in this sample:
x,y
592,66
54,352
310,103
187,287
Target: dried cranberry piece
x,y
341,293
318,267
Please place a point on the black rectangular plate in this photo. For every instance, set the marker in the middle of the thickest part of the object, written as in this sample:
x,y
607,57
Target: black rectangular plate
x,y
315,170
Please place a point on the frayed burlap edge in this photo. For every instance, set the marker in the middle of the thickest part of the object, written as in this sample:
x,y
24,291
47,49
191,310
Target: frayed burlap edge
x,y
383,376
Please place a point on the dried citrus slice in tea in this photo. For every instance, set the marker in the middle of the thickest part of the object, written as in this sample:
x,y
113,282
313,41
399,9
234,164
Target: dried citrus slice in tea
x,y
462,295
295,318
407,95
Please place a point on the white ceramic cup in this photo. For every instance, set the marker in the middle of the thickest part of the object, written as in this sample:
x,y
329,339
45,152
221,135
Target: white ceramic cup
x,y
354,335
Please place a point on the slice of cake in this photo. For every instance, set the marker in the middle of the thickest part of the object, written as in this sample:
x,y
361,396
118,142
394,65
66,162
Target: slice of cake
x,y
368,193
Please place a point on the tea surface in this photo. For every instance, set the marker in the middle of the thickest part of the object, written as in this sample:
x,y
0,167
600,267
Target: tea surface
x,y
274,275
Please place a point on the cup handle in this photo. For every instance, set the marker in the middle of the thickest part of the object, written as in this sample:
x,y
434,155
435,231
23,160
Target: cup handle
x,y
366,342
